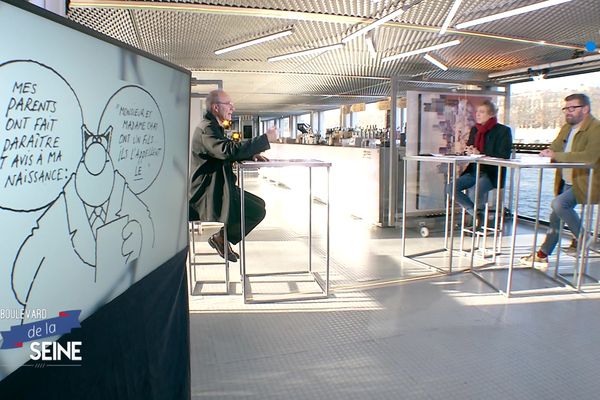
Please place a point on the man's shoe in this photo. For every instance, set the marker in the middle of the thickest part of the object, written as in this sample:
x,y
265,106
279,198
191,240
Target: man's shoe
x,y
591,245
231,251
218,246
572,248
539,263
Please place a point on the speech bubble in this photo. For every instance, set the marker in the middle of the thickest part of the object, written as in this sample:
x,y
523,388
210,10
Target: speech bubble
x,y
40,134
137,145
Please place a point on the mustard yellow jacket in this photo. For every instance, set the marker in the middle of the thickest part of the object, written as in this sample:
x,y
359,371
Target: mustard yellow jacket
x,y
585,148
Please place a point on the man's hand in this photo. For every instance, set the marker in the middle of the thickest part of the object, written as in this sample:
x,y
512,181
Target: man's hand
x,y
259,157
547,153
470,150
272,134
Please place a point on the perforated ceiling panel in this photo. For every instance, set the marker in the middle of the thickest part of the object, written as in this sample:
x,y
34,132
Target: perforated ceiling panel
x,y
114,23
187,33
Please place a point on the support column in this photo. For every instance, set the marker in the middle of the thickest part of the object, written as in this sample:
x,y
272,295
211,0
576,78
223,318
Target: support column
x,y
393,155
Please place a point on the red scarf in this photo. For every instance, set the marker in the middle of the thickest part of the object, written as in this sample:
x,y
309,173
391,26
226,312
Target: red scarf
x,y
481,132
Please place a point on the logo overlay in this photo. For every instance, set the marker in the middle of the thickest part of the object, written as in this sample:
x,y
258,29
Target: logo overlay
x,y
19,334
35,331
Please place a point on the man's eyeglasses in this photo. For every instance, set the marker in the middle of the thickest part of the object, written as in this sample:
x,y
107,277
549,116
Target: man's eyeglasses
x,y
570,108
225,103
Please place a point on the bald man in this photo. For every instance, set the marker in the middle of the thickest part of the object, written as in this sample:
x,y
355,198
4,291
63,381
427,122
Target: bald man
x,y
214,195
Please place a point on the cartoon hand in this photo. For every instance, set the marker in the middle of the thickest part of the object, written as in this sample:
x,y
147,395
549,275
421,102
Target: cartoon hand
x,y
132,241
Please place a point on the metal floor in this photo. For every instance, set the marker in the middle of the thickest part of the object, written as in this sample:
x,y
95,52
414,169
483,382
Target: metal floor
x,y
390,329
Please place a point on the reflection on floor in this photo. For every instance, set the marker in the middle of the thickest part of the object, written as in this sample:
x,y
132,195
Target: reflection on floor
x,y
391,329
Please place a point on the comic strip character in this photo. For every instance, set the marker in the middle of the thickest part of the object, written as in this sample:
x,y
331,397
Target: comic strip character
x,y
93,231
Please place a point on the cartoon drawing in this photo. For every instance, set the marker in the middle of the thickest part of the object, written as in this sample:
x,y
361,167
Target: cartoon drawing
x,y
83,188
106,226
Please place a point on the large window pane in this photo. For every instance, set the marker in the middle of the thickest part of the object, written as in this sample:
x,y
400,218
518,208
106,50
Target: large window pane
x,y
536,117
331,119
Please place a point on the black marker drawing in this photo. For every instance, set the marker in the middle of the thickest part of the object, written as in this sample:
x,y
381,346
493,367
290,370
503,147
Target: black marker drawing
x,y
96,223
85,245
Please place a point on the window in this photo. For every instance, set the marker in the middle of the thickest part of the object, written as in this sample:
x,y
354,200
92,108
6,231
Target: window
x,y
331,119
371,116
535,114
536,117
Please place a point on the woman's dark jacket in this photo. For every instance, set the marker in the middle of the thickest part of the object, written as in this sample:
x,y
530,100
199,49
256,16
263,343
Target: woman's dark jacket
x,y
213,182
498,143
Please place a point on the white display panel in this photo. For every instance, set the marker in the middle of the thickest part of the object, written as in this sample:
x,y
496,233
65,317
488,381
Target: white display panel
x,y
93,170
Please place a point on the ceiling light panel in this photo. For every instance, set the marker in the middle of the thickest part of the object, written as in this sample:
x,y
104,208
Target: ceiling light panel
x,y
420,50
255,41
512,12
435,61
450,16
536,26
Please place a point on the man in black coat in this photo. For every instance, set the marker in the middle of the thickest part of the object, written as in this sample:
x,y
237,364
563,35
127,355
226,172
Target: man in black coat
x,y
214,195
489,138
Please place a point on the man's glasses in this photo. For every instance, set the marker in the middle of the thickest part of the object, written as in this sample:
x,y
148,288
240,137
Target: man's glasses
x,y
570,108
225,103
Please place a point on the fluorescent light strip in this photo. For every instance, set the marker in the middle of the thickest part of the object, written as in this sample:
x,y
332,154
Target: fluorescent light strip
x,y
420,51
435,62
371,44
255,41
373,25
306,52
511,13
450,15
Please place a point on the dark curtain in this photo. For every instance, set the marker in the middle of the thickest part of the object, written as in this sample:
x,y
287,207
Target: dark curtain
x,y
135,347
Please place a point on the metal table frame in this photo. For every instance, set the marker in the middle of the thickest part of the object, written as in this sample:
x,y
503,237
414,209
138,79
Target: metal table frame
x,y
451,175
517,165
310,164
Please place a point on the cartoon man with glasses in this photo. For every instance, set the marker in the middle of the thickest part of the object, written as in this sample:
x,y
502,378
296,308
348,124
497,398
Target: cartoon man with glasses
x,y
577,141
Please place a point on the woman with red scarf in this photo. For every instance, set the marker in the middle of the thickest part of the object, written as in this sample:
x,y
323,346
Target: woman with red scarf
x,y
492,139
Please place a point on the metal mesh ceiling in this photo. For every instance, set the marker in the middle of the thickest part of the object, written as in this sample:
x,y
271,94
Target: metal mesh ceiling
x,y
188,32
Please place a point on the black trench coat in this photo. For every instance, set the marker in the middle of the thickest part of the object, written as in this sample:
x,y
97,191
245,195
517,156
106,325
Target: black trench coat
x,y
213,181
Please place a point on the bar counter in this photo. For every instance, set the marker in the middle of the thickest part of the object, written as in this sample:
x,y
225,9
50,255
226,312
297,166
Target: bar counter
x,y
358,177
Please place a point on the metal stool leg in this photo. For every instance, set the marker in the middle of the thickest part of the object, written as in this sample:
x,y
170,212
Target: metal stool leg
x,y
196,225
226,254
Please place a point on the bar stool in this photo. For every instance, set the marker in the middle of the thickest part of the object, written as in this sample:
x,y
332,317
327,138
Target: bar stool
x,y
595,209
199,287
495,205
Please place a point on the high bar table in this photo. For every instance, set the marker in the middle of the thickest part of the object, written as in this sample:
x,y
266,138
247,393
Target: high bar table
x,y
310,164
452,165
541,164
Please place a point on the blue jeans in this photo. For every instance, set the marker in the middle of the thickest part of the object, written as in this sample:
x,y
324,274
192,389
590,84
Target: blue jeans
x,y
467,181
563,207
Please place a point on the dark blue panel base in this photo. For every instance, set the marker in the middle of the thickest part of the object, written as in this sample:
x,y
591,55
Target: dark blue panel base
x,y
135,347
